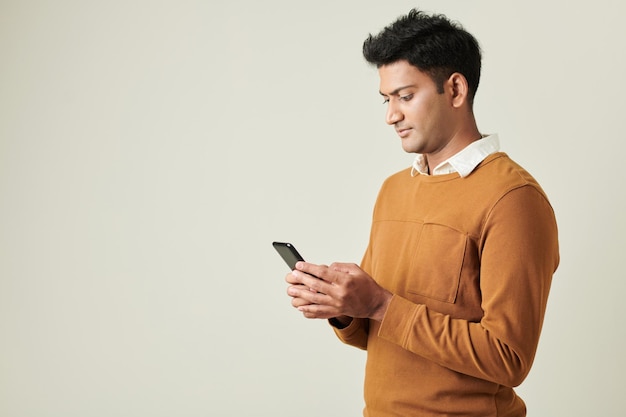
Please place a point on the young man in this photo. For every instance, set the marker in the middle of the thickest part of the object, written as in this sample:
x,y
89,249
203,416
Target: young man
x,y
450,297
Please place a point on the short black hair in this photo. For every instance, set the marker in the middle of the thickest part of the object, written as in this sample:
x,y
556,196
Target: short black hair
x,y
432,43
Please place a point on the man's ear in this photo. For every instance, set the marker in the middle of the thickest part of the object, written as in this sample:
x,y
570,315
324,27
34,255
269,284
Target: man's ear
x,y
458,89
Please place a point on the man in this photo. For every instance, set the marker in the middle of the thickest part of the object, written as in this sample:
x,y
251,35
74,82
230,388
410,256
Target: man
x,y
451,293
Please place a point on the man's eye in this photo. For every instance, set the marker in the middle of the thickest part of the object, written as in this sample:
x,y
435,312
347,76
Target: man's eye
x,y
407,97
386,100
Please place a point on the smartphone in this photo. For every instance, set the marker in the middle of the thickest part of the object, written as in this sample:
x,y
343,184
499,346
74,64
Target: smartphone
x,y
289,253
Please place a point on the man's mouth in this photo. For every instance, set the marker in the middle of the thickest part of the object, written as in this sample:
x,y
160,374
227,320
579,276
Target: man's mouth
x,y
403,131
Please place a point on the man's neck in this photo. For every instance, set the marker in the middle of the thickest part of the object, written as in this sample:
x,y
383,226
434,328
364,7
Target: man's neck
x,y
455,145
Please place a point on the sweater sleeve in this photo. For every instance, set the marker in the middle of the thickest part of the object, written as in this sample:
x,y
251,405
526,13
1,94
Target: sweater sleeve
x,y
518,256
355,334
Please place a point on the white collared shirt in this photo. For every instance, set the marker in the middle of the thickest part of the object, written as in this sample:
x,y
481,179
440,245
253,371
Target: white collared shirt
x,y
462,162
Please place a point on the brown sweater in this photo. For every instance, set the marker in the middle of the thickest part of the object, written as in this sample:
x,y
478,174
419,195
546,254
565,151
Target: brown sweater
x,y
470,262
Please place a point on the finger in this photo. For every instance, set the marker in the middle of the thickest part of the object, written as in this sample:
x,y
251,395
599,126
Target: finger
x,y
304,278
296,277
291,279
316,311
310,295
347,268
318,271
293,290
299,302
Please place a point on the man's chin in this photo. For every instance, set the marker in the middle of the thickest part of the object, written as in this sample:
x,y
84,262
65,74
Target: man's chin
x,y
411,147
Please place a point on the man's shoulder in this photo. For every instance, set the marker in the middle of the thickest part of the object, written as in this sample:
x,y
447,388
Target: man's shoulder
x,y
501,174
499,167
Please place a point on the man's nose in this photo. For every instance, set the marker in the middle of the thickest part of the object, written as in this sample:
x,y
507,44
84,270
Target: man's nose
x,y
394,115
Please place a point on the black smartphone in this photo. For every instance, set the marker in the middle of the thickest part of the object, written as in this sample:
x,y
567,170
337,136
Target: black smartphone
x,y
288,252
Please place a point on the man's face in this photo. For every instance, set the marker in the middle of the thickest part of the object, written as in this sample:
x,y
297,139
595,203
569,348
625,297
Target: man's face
x,y
417,111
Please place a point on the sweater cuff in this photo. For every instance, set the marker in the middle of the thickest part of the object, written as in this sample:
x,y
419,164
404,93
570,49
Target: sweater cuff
x,y
345,332
398,320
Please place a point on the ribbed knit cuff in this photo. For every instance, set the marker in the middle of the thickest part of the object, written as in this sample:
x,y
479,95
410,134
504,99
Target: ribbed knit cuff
x,y
398,320
347,331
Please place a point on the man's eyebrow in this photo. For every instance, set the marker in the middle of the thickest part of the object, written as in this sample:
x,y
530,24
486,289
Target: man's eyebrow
x,y
397,90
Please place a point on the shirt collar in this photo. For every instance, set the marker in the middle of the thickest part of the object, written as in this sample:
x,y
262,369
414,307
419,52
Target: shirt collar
x,y
462,162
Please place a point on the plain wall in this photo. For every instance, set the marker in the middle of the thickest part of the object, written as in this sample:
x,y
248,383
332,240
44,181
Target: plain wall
x,y
151,151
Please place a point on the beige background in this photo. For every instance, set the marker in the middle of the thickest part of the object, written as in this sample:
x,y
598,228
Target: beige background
x,y
151,151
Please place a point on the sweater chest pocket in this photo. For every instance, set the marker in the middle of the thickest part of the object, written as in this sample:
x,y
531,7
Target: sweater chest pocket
x,y
437,263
